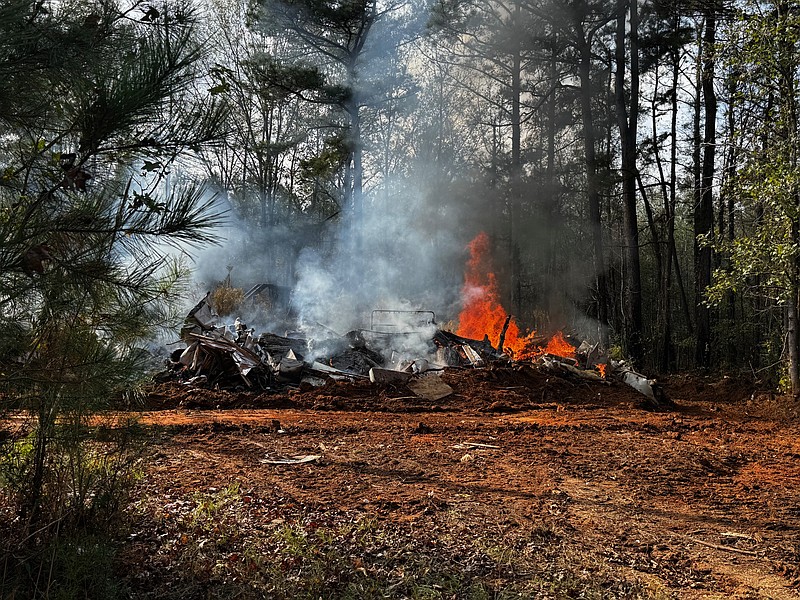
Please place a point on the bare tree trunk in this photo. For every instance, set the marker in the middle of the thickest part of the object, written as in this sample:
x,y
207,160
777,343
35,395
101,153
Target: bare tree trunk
x,y
704,211
727,223
516,173
793,326
44,432
673,197
661,250
627,121
356,153
592,183
550,177
792,316
788,126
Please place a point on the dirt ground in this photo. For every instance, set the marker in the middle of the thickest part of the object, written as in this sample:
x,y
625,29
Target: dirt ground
x,y
518,485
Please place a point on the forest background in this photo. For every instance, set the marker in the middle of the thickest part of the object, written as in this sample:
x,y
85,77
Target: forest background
x,y
635,165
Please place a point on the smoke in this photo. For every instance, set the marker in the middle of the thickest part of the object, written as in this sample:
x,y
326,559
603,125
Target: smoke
x,y
406,254
408,250
401,256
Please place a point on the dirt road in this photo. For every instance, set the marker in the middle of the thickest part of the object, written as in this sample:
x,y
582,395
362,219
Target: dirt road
x,y
522,475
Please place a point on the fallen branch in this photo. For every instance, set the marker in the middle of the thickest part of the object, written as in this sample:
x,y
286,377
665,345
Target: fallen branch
x,y
503,334
726,548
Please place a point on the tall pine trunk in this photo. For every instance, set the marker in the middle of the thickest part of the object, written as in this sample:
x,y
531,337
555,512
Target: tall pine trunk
x,y
789,126
516,172
627,116
592,180
704,210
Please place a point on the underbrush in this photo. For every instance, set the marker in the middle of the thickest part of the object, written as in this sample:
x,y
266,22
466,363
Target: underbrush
x,y
229,543
61,542
71,565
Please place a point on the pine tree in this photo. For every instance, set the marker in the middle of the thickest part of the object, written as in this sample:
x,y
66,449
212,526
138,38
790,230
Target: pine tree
x,y
99,106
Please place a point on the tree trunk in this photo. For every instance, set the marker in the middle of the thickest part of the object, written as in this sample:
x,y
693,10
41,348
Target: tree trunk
x,y
33,507
704,211
592,183
788,127
627,121
516,174
358,168
727,220
673,196
661,250
793,326
550,200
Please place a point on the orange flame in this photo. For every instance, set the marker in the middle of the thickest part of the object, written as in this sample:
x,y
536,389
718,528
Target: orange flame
x,y
483,314
558,346
602,368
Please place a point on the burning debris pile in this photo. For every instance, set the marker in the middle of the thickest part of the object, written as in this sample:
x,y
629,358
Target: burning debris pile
x,y
400,348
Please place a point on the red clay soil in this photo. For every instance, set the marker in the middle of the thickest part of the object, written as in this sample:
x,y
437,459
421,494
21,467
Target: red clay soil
x,y
702,501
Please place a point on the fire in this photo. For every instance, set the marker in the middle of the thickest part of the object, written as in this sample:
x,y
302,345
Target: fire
x,y
483,314
558,346
602,368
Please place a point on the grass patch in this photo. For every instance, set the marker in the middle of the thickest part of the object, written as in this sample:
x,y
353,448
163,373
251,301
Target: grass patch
x,y
228,543
71,567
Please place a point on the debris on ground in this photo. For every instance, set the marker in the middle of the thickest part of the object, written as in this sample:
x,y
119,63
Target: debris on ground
x,y
568,484
401,349
298,459
430,387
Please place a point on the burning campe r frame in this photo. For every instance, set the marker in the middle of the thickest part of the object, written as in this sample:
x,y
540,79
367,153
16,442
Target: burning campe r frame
x,y
390,321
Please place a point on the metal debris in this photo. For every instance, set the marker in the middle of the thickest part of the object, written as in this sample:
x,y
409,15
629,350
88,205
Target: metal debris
x,y
431,387
400,348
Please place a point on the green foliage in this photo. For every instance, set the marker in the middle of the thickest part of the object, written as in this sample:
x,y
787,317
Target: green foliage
x,y
327,162
89,472
762,262
218,548
103,106
276,81
71,567
208,506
